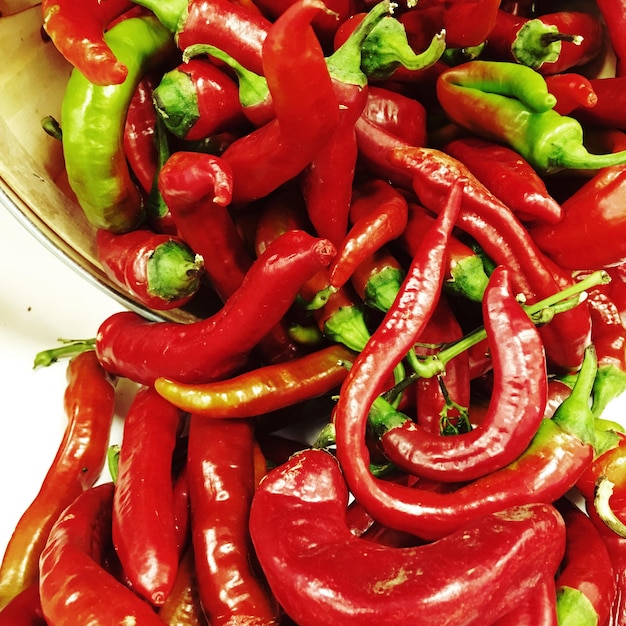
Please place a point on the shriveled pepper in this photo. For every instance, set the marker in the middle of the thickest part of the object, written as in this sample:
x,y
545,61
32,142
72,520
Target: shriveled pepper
x,y
77,27
305,547
263,389
73,568
217,346
515,411
550,43
508,176
143,526
511,103
93,119
160,271
88,402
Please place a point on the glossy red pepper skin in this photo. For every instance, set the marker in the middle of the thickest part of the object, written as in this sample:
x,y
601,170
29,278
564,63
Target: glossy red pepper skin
x,y
586,564
613,12
506,242
89,405
143,526
159,270
516,407
24,609
264,389
572,92
502,41
218,346
77,29
222,482
379,214
508,176
537,609
304,103
139,135
196,99
298,525
608,110
75,587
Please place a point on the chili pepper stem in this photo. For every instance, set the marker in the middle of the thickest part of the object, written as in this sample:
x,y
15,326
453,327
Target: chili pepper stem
x,y
70,348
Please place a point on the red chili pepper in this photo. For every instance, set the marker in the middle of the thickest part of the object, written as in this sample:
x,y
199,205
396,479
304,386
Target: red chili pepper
x,y
572,91
585,583
89,405
139,134
304,102
550,43
196,99
508,176
613,12
217,346
299,530
402,116
608,111
379,214
264,389
515,411
24,609
222,483
159,270
377,280
182,606
144,528
77,30
506,242
72,568
433,405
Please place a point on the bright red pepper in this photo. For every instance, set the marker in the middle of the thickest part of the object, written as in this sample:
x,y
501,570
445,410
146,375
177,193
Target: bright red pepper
x,y
305,547
73,568
77,30
219,345
24,609
143,527
89,405
614,13
537,609
572,92
160,271
222,483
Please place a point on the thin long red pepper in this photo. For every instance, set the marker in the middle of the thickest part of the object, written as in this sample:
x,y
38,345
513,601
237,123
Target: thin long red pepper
x,y
216,347
89,405
143,527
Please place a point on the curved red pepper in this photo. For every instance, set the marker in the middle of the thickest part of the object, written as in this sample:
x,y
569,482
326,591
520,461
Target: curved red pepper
x,y
322,573
379,214
550,44
263,389
73,572
572,92
537,609
143,527
88,402
515,411
614,14
77,27
508,176
159,270
304,103
221,486
24,609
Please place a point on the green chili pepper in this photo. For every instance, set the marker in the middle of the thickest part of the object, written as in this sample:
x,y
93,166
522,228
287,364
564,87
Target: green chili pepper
x,y
510,103
93,121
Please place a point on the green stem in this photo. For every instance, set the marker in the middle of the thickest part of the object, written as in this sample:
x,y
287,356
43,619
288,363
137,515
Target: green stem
x,y
70,348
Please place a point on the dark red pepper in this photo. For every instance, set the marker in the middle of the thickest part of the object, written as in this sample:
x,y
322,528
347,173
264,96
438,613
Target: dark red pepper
x,y
614,14
221,483
160,271
77,27
73,568
143,526
305,547
217,346
572,92
88,402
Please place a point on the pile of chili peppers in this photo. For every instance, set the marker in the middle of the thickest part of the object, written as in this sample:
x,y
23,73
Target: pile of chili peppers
x,y
402,230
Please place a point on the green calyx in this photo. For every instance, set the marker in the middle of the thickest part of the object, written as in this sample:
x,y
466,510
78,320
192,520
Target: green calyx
x,y
176,102
387,48
253,88
347,326
173,271
156,208
610,382
344,64
573,608
468,279
383,417
382,288
538,43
